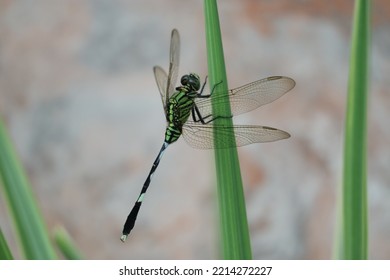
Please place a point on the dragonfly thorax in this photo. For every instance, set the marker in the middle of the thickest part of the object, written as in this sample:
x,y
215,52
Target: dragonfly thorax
x,y
179,109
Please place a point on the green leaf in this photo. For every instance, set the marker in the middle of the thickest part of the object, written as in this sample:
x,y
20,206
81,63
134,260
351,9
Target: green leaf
x,y
66,244
233,220
5,253
27,219
354,220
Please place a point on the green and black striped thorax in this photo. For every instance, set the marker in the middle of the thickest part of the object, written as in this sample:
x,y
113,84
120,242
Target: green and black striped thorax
x,y
180,105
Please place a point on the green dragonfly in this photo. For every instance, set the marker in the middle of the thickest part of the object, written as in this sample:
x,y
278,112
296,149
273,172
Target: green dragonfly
x,y
199,131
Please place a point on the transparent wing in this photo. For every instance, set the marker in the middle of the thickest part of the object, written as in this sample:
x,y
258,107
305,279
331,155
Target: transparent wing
x,y
248,97
161,80
166,83
201,136
174,58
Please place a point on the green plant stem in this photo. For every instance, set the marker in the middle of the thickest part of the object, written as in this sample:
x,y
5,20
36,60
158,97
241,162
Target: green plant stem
x,y
233,219
26,216
354,236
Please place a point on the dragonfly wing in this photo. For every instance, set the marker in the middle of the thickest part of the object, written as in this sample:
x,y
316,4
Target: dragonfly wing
x,y
166,83
201,136
161,80
174,58
248,97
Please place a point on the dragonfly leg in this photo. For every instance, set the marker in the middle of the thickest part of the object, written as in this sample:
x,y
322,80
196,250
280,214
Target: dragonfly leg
x,y
212,90
197,116
204,84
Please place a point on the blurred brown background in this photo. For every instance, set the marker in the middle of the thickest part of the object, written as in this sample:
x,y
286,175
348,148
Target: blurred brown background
x,y
78,96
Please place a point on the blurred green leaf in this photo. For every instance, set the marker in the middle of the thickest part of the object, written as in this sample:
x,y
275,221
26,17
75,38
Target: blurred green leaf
x,y
354,220
5,253
66,244
27,219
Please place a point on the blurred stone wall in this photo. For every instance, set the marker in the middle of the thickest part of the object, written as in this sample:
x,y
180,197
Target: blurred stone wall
x,y
78,96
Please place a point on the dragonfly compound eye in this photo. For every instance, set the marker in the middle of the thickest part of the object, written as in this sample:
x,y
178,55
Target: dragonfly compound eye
x,y
194,82
184,80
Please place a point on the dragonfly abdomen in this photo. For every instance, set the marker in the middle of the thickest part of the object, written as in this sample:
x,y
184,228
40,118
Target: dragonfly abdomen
x,y
172,133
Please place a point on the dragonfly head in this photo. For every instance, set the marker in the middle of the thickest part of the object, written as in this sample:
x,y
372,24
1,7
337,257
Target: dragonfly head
x,y
192,81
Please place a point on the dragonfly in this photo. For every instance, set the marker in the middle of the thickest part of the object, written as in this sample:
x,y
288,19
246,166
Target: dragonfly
x,y
200,130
